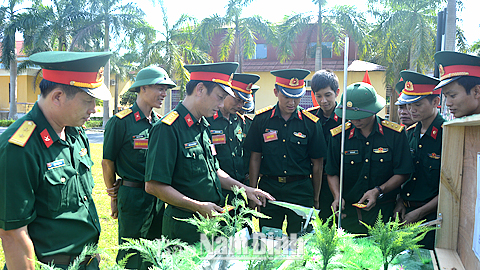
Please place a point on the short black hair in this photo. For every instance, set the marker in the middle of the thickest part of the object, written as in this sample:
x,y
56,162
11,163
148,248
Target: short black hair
x,y
47,86
468,82
192,84
431,97
323,79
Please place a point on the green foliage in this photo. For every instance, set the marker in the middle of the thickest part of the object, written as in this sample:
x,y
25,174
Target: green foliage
x,y
6,123
87,251
128,98
94,123
164,253
394,237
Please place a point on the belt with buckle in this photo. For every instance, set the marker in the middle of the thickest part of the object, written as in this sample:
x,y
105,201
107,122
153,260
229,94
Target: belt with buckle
x,y
134,184
413,204
287,179
66,260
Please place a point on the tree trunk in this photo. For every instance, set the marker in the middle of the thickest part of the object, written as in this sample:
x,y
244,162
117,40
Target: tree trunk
x,y
450,26
318,50
106,74
12,114
117,78
237,48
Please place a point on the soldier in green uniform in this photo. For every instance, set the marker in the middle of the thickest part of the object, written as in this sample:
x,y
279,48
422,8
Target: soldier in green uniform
x,y
284,140
124,152
228,129
403,113
419,195
460,82
47,209
325,87
181,167
376,161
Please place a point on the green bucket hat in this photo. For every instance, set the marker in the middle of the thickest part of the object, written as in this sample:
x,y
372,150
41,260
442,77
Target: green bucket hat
x,y
150,76
362,101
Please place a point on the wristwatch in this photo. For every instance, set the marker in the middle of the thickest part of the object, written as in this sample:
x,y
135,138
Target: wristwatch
x,y
379,190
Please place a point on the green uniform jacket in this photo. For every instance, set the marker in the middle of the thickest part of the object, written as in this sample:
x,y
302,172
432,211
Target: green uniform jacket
x,y
287,147
180,155
327,123
370,162
426,152
126,141
228,137
47,185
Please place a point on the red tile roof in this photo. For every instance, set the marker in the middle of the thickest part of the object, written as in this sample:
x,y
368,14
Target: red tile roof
x,y
258,65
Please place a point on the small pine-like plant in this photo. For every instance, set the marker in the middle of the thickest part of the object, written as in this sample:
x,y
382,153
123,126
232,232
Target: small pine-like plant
x,y
87,251
394,237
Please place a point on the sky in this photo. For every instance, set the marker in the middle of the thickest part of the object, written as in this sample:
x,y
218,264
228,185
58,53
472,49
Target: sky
x,y
275,10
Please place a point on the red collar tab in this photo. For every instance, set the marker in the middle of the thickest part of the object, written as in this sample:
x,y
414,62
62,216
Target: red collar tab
x,y
137,116
189,120
458,70
335,117
352,132
215,115
300,114
420,89
434,133
75,78
273,112
212,76
292,83
380,128
46,138
242,87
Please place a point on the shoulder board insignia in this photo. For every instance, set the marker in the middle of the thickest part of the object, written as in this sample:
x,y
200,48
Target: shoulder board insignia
x,y
23,133
392,125
266,109
338,130
310,116
241,116
312,108
122,114
170,117
412,126
248,117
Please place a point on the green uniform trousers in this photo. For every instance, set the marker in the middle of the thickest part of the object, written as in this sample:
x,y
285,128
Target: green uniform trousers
x,y
298,192
140,215
351,222
428,242
177,229
325,200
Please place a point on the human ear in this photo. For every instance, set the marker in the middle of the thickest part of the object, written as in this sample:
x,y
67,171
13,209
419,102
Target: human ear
x,y
275,91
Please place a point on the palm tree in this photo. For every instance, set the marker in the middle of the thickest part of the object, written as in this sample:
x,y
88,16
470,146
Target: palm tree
x,y
334,23
404,36
9,53
239,33
174,49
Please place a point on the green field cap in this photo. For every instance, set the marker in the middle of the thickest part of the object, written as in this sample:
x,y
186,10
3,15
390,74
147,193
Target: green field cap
x,y
362,101
150,76
81,69
220,73
291,81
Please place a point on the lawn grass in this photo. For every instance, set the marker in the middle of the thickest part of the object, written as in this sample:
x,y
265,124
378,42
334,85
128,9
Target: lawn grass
x,y
108,237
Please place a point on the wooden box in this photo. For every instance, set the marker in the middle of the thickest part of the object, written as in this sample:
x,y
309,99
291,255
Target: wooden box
x,y
458,194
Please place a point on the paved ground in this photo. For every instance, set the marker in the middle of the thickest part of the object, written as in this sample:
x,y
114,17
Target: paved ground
x,y
94,135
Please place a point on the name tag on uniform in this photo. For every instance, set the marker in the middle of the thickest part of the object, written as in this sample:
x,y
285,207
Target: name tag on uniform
x,y
270,136
351,152
140,144
219,139
216,131
190,145
55,164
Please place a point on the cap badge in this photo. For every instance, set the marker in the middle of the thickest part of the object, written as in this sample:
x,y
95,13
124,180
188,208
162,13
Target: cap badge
x,y
349,104
249,86
441,70
231,78
409,86
293,82
100,75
